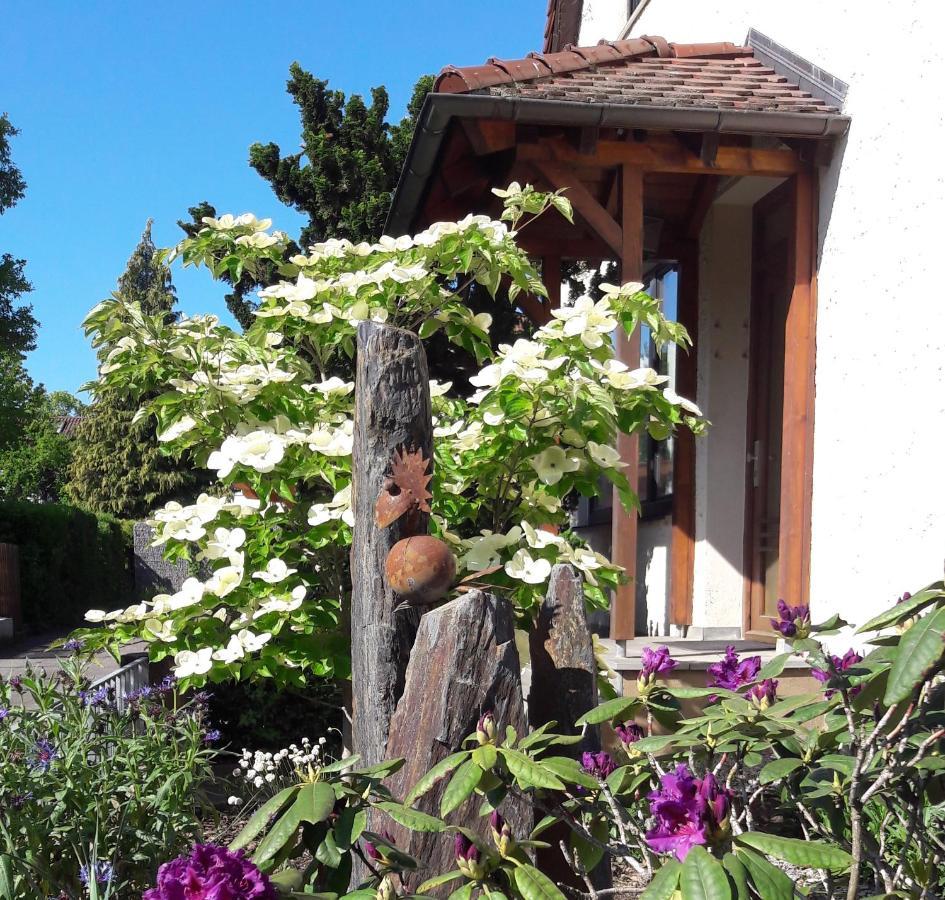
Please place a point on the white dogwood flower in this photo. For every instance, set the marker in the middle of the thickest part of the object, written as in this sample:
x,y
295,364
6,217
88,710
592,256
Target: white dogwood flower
x,y
276,570
588,320
538,538
190,662
551,464
332,387
176,429
226,580
225,543
483,551
674,398
606,457
523,567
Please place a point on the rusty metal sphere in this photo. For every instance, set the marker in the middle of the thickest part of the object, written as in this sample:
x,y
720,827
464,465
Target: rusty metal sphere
x,y
420,569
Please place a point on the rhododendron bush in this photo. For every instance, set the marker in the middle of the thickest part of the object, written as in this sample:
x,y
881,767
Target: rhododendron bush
x,y
270,411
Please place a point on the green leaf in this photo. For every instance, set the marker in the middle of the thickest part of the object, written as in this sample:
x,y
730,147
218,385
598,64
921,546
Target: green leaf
x,y
351,822
340,765
328,852
411,818
569,770
262,815
921,647
280,835
485,756
530,773
692,693
315,802
768,880
440,770
664,882
534,885
703,878
773,667
431,883
461,785
778,769
809,854
905,610
737,876
464,892
612,709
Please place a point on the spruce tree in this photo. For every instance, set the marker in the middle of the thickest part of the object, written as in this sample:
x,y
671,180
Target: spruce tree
x,y
117,465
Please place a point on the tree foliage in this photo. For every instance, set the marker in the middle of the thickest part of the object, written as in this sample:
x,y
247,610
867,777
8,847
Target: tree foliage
x,y
117,467
17,324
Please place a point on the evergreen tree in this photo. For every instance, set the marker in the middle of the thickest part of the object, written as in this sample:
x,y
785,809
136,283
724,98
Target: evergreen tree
x,y
117,465
17,325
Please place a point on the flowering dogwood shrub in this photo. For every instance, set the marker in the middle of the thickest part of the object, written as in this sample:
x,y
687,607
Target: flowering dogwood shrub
x,y
270,411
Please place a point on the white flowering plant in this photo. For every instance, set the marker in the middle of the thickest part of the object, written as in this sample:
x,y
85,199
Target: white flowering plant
x,y
271,412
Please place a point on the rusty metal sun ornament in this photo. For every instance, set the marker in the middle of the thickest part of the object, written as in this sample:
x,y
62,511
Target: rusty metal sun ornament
x,y
405,490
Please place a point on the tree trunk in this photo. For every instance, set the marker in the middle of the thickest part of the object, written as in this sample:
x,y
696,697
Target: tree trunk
x,y
392,410
464,663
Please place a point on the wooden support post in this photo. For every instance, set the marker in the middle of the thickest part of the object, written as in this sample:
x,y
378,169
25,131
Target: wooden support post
x,y
682,545
624,527
797,430
392,410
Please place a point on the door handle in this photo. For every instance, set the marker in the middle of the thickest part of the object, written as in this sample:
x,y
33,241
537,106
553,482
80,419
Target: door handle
x,y
754,459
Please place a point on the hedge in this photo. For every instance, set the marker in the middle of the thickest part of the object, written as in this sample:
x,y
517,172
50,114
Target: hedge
x,y
70,561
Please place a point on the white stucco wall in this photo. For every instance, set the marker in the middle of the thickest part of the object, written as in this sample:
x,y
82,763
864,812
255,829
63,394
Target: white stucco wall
x,y
879,491
601,20
722,365
652,589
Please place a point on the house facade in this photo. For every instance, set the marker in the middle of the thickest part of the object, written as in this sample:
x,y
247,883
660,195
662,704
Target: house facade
x,y
769,169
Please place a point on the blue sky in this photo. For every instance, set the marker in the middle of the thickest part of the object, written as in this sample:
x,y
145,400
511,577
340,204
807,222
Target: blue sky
x,y
130,110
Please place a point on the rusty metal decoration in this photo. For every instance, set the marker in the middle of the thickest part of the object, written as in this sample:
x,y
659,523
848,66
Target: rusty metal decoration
x,y
405,490
420,570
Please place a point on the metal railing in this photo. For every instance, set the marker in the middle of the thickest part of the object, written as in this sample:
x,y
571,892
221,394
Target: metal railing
x,y
129,677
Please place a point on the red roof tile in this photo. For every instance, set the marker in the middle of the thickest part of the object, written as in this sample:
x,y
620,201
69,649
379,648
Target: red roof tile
x,y
642,71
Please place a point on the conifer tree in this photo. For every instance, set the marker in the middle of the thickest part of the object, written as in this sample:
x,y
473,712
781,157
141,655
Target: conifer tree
x,y
117,466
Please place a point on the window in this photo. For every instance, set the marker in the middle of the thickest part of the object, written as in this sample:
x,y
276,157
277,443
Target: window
x,y
655,471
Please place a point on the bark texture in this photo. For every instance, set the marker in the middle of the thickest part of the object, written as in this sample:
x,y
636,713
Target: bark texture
x,y
464,663
392,410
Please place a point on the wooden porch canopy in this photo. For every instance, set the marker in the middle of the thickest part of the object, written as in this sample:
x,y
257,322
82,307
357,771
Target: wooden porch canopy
x,y
633,128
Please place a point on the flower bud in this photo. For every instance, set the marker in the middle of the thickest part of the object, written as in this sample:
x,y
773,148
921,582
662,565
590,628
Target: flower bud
x,y
502,834
468,859
485,729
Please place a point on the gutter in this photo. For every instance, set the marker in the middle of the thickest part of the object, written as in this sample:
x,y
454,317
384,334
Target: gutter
x,y
439,110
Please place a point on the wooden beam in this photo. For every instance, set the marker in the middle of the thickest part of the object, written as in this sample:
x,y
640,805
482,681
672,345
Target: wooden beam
x,y
624,526
584,203
489,135
669,156
683,541
797,433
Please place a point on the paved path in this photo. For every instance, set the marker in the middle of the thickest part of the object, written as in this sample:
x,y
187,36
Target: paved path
x,y
34,651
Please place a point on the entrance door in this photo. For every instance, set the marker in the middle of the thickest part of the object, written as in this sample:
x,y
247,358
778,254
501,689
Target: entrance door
x,y
772,282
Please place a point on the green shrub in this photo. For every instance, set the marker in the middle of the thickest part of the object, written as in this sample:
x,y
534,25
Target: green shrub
x,y
70,561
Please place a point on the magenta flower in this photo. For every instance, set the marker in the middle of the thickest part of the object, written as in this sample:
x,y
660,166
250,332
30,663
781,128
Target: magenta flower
x,y
838,665
211,873
378,853
628,734
654,662
501,833
467,857
731,673
687,811
600,764
792,621
764,693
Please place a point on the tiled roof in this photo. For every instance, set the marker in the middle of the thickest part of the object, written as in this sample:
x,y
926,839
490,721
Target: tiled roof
x,y
647,71
69,425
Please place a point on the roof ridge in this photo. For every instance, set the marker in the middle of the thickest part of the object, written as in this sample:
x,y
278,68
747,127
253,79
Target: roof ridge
x,y
495,71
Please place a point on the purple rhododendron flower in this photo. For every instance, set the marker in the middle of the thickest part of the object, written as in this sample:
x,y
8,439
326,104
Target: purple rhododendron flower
x,y
687,811
764,693
656,662
731,673
465,849
629,733
211,873
792,621
904,597
600,764
371,849
839,664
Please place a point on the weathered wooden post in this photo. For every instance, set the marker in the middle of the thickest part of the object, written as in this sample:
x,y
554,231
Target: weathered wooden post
x,y
392,411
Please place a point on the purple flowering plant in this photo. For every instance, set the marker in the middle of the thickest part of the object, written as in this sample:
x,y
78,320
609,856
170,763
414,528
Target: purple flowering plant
x,y
210,872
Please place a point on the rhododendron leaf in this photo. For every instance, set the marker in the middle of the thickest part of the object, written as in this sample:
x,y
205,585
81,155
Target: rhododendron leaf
x,y
315,802
436,881
664,882
778,769
462,893
485,756
810,854
921,648
440,770
774,667
569,770
535,885
350,824
262,815
702,877
906,609
612,709
411,818
737,876
461,785
529,773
